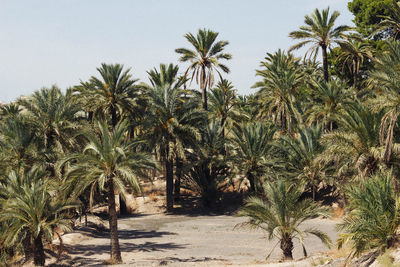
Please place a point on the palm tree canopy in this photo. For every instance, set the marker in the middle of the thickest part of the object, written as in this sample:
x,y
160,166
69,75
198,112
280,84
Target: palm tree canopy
x,y
108,155
283,212
319,30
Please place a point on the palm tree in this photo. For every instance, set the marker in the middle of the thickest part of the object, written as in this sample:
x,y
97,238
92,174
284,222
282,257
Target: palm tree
x,y
208,167
109,161
303,158
319,30
31,211
171,124
281,213
253,145
114,94
222,100
280,85
18,143
356,143
392,21
373,220
386,81
55,116
204,59
327,101
354,53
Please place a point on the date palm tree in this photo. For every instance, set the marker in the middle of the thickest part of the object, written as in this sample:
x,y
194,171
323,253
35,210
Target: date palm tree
x,y
110,162
385,79
392,21
253,145
356,143
222,102
373,220
303,157
172,121
55,118
353,54
326,102
204,59
115,94
281,213
31,211
282,78
319,31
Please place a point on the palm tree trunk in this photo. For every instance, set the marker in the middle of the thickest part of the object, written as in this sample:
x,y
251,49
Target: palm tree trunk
x,y
113,220
252,182
325,62
27,246
204,98
287,248
355,74
169,178
204,89
114,120
38,251
178,175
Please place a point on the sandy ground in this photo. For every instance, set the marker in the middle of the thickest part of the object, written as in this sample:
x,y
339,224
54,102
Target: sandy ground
x,y
183,240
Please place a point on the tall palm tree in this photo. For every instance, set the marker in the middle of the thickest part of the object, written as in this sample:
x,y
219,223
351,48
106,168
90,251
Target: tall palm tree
x,y
115,94
31,211
282,78
386,81
354,53
204,59
172,121
281,213
253,145
319,31
109,161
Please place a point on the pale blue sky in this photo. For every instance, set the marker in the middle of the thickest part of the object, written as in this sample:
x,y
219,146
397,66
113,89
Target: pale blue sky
x,y
61,42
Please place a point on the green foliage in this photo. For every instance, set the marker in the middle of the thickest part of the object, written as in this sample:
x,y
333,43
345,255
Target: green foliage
x,y
373,220
253,145
31,211
205,59
367,14
281,214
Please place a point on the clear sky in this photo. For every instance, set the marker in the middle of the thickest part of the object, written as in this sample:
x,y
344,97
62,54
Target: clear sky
x,y
46,42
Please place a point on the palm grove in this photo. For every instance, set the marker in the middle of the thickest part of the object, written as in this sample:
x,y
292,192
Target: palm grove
x,y
310,130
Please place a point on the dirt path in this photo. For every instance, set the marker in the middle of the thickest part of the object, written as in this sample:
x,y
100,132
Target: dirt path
x,y
177,240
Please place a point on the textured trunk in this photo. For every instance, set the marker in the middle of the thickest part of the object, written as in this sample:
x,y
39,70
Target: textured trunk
x,y
178,174
38,251
204,89
113,220
355,74
204,98
252,182
325,62
27,246
169,178
287,248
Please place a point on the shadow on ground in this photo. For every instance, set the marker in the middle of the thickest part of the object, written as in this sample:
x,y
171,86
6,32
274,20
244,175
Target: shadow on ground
x,y
87,251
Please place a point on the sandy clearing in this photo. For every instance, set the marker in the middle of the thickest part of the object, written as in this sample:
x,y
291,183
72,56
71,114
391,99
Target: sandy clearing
x,y
182,240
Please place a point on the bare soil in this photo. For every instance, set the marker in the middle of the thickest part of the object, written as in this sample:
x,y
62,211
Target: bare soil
x,y
186,240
